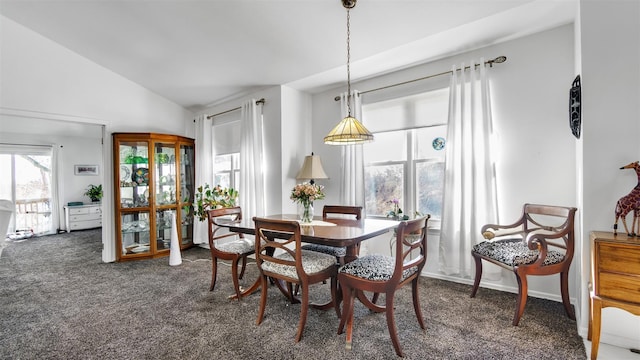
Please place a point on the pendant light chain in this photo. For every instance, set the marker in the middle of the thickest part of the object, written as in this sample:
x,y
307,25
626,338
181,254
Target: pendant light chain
x,y
348,63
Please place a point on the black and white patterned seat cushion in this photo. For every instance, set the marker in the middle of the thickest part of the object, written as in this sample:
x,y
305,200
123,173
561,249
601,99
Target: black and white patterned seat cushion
x,y
514,252
238,246
326,249
312,262
374,267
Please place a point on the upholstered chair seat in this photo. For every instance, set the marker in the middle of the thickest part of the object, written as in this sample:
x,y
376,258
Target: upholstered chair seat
x,y
312,262
375,267
514,252
239,246
338,252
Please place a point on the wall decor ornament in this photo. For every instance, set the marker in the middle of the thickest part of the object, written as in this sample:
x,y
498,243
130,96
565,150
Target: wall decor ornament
x,y
575,104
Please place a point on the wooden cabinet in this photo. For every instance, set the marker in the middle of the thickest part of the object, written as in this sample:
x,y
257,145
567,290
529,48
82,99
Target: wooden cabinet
x,y
81,217
154,183
615,266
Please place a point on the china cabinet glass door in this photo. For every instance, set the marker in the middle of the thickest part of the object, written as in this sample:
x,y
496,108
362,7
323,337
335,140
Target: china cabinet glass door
x,y
133,163
187,189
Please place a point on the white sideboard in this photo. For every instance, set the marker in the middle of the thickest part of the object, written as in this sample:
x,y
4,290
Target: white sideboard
x,y
83,216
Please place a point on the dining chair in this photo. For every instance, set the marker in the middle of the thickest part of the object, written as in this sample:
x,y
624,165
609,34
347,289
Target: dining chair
x,y
386,274
541,242
278,261
329,211
224,248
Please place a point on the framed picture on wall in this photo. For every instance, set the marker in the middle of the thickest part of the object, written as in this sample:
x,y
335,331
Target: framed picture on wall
x,y
86,170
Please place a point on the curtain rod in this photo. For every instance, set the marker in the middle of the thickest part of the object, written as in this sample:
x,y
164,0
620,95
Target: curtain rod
x,y
258,102
498,60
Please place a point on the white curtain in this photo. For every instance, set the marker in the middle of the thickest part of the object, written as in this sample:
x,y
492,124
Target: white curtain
x,y
252,183
469,190
204,169
352,181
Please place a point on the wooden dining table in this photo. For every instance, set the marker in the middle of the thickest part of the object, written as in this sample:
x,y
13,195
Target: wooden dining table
x,y
338,232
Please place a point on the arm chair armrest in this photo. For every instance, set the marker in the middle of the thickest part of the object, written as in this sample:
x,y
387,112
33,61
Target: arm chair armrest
x,y
541,240
490,231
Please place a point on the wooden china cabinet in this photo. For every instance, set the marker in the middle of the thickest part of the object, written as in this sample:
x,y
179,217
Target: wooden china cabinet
x,y
154,181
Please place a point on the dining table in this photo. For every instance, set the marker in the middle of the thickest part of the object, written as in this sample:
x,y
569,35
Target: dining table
x,y
334,231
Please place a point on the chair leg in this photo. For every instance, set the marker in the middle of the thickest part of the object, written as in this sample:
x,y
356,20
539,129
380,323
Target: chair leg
x,y
416,302
214,272
349,337
391,323
263,300
335,295
244,266
522,298
347,306
234,277
564,290
476,282
304,309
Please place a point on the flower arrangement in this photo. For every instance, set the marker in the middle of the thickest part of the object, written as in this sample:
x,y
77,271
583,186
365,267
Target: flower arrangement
x,y
307,193
396,212
304,194
207,198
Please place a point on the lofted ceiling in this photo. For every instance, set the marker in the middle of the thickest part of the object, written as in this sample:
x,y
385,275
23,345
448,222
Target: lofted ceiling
x,y
201,53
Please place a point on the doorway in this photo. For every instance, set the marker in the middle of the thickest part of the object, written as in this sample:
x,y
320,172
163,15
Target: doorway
x,y
28,180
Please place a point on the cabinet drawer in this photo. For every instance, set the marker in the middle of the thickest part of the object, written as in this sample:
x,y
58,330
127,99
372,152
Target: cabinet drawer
x,y
84,217
85,224
619,287
78,211
85,210
619,259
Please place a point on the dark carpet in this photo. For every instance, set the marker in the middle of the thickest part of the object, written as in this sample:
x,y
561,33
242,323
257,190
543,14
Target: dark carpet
x,y
60,301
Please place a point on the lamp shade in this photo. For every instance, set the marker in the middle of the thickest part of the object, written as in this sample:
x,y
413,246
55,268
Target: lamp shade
x,y
349,131
311,169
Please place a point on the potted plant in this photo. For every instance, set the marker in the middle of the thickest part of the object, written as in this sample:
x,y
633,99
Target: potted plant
x,y
94,192
207,198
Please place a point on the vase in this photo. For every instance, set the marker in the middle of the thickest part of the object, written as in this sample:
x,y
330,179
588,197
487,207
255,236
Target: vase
x,y
305,210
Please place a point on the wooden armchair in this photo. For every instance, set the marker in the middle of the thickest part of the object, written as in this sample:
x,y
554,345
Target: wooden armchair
x,y
232,250
327,212
541,242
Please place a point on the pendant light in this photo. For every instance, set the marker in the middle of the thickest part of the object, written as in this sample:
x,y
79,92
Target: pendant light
x,y
349,131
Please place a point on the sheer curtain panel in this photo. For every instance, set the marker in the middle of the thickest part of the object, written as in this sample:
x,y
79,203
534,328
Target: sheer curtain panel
x,y
204,169
469,189
252,183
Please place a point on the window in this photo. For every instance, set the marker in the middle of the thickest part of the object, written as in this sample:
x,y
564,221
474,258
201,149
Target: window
x,y
226,147
227,170
406,160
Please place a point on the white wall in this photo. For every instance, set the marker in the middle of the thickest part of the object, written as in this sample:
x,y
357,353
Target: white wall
x,y
40,79
610,58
